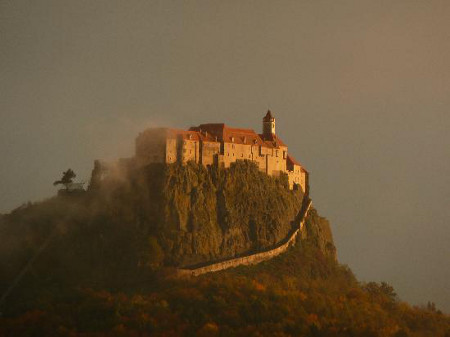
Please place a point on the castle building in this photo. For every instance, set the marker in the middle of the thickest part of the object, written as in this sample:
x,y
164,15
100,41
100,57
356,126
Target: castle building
x,y
219,144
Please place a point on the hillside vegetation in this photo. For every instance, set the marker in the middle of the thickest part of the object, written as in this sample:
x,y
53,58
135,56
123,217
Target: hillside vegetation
x,y
200,214
105,264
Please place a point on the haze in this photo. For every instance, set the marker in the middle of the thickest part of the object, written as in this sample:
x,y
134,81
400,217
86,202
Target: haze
x,y
360,90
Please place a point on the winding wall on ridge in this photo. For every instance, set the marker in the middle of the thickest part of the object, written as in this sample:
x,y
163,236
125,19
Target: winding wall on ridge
x,y
252,258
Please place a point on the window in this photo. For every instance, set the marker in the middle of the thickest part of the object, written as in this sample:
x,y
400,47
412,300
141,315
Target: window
x,y
284,155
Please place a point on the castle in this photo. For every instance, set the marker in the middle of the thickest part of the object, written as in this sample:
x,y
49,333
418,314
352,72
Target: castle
x,y
219,144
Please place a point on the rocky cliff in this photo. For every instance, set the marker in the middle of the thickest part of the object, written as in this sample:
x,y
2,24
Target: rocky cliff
x,y
160,216
200,214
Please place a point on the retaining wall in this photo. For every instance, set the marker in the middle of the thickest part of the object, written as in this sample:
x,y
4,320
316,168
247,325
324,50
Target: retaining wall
x,y
253,258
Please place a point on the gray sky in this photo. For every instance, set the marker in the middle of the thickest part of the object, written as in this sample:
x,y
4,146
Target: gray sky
x,y
360,90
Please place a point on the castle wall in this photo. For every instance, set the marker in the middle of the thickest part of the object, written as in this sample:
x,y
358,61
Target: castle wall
x,y
276,162
260,158
253,258
303,179
188,150
150,146
269,160
162,145
297,176
233,152
208,151
171,151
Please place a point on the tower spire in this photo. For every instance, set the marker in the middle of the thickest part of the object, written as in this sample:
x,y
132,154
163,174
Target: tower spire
x,y
268,124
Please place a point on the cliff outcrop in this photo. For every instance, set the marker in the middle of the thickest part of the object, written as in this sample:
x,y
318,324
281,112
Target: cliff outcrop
x,y
158,216
200,214
317,231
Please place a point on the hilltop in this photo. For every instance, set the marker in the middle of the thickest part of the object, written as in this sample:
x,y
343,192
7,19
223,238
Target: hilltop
x,y
158,216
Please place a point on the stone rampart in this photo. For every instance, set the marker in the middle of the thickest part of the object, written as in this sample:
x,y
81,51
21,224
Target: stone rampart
x,y
253,258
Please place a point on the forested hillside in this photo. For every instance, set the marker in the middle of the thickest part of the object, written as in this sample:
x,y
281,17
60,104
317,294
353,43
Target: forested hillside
x,y
105,264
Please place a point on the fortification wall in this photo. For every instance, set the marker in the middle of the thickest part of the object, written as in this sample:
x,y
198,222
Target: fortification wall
x,y
171,150
151,146
163,145
208,152
297,176
189,151
253,258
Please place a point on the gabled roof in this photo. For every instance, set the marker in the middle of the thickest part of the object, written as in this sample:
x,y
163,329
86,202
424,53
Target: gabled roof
x,y
220,132
194,135
290,161
272,140
241,136
213,129
227,134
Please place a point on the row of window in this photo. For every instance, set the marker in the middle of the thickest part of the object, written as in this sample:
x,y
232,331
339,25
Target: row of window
x,y
242,155
260,150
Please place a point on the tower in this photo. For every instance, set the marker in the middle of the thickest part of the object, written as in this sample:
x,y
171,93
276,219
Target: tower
x,y
268,124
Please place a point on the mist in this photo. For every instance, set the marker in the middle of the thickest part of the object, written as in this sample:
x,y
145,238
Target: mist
x,y
359,90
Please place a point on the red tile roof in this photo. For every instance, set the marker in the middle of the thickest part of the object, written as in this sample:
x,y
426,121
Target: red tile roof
x,y
291,161
222,132
272,140
227,134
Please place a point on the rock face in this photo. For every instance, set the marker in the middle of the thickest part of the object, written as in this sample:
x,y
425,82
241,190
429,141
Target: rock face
x,y
201,214
137,221
318,231
130,224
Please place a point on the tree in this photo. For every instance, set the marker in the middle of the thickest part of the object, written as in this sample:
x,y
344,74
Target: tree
x,y
66,179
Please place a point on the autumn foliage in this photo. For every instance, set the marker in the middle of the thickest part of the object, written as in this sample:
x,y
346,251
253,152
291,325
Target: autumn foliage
x,y
301,293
